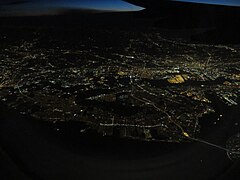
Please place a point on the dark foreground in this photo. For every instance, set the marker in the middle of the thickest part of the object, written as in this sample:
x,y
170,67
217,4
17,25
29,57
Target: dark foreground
x,y
32,149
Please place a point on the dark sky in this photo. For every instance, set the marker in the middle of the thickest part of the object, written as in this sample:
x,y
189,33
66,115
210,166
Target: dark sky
x,y
38,7
222,2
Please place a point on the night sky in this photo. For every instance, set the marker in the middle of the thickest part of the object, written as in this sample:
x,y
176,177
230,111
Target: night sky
x,y
221,2
39,7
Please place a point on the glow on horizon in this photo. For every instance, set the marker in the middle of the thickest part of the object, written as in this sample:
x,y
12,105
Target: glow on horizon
x,y
38,7
215,2
114,5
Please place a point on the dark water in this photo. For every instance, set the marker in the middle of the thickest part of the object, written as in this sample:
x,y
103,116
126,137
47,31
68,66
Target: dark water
x,y
48,151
